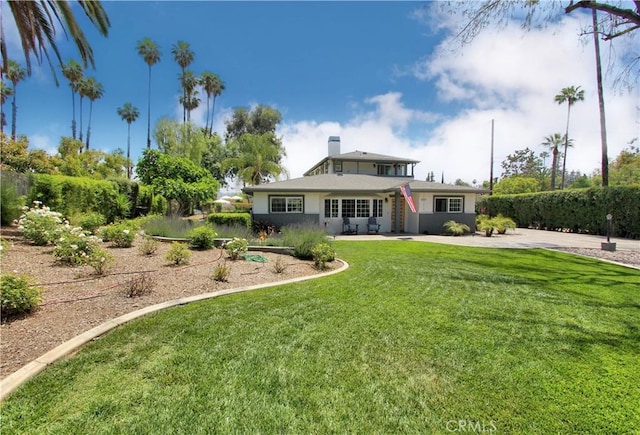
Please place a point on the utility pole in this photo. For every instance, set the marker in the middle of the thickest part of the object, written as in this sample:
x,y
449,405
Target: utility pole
x,y
491,170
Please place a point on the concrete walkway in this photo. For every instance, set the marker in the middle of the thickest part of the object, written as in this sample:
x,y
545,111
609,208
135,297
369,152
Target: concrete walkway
x,y
518,238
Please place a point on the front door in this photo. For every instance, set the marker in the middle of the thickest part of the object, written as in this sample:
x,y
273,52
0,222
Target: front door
x,y
393,214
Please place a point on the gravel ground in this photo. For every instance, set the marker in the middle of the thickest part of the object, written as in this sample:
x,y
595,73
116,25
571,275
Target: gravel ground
x,y
628,257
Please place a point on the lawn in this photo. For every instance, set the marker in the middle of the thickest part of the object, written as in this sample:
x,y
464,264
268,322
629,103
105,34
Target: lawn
x,y
413,337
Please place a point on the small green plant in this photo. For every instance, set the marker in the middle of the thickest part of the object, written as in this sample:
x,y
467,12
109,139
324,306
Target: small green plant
x,y
40,225
279,266
74,246
178,254
221,272
3,247
236,247
91,221
121,235
303,238
322,254
139,286
10,203
18,295
163,226
503,224
454,228
100,260
148,246
202,237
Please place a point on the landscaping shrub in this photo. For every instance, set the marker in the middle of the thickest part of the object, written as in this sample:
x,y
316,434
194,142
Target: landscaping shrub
x,y
233,231
74,246
202,237
178,254
503,223
139,285
322,254
40,225
18,295
230,219
100,260
10,203
236,247
453,228
221,272
148,246
121,235
90,221
279,266
302,238
3,247
149,202
169,226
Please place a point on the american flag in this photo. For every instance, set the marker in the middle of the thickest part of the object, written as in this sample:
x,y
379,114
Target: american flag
x,y
406,192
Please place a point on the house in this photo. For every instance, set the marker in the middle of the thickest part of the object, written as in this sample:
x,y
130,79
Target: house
x,y
358,185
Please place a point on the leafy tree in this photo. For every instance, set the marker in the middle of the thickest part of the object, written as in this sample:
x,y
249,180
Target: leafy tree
x,y
183,57
552,142
14,154
461,182
513,185
176,178
625,169
15,73
214,158
212,86
522,163
151,54
73,72
260,120
37,22
180,140
258,158
94,91
569,95
129,114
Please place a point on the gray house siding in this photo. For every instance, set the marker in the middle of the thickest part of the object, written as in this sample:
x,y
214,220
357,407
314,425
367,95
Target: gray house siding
x,y
432,223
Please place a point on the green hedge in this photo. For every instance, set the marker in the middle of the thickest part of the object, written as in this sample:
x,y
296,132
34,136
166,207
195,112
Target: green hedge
x,y
114,199
579,210
230,219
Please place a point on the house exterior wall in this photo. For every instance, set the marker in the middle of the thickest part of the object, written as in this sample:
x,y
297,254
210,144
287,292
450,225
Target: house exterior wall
x,y
431,221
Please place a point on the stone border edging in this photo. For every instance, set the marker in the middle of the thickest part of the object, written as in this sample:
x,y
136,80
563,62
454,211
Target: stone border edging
x,y
19,377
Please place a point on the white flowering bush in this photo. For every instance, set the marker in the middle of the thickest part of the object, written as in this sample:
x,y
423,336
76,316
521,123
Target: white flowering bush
x,y
100,260
40,225
236,247
121,235
75,246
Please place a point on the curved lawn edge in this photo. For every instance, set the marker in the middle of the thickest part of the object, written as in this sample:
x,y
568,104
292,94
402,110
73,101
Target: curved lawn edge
x,y
19,377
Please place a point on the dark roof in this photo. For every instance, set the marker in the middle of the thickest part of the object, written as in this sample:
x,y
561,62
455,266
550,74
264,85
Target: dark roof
x,y
357,183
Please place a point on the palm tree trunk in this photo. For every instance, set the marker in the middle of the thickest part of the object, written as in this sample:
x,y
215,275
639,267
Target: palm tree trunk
x,y
89,125
554,165
128,151
206,124
149,113
603,122
80,122
14,111
566,143
213,111
73,105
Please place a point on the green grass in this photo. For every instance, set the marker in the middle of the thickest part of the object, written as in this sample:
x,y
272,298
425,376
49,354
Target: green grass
x,y
410,338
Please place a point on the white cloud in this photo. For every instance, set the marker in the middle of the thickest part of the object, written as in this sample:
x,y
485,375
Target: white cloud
x,y
43,142
510,76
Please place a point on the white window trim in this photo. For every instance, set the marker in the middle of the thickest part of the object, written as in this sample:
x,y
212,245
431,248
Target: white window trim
x,y
449,198
286,204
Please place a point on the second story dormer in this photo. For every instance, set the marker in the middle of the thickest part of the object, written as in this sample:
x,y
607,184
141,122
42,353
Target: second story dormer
x,y
361,162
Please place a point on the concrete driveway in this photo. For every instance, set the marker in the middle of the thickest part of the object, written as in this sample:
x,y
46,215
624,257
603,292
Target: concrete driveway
x,y
518,238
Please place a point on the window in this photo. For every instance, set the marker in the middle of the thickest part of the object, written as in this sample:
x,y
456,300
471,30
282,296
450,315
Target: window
x,y
286,204
377,208
331,208
384,169
362,208
349,208
448,205
337,165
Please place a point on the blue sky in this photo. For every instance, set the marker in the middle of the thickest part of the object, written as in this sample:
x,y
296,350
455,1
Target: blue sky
x,y
381,75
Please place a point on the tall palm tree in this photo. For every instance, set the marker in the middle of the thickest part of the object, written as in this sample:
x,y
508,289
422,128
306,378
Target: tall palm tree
x,y
569,95
604,161
552,142
37,22
183,57
189,101
81,88
151,55
15,73
5,91
73,72
129,114
213,86
94,91
257,159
